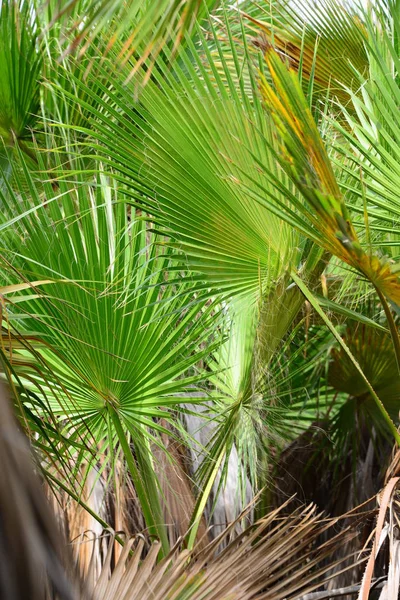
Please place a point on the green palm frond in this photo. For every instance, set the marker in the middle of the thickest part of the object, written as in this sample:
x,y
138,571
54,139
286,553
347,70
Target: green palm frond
x,y
305,159
21,64
370,145
146,28
180,153
113,332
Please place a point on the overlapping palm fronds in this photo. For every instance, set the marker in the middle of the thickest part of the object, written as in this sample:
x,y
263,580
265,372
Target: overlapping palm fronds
x,y
204,242
267,559
146,28
199,154
191,148
263,562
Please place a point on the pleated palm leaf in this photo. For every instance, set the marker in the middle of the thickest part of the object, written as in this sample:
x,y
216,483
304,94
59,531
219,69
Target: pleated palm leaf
x,y
119,326
118,347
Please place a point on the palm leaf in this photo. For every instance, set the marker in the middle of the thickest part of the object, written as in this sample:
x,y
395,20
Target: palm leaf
x,y
21,64
145,27
259,558
118,355
304,157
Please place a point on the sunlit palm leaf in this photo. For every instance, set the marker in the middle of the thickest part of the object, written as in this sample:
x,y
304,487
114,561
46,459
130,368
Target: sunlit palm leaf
x,y
145,27
118,354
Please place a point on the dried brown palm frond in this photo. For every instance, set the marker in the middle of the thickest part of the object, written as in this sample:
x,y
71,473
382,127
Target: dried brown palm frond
x,y
32,554
113,503
275,558
387,528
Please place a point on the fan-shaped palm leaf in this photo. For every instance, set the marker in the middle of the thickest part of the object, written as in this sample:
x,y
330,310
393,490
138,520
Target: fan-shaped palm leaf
x,y
120,348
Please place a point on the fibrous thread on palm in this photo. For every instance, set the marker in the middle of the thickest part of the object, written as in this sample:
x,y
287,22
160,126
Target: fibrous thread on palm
x,y
302,154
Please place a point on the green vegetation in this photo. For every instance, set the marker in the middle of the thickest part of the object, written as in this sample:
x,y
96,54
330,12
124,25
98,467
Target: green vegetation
x,y
199,242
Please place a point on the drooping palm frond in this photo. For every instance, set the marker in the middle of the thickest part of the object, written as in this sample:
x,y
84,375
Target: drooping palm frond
x,y
305,159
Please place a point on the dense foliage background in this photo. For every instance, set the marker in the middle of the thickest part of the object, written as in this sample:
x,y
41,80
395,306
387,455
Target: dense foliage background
x,y
200,294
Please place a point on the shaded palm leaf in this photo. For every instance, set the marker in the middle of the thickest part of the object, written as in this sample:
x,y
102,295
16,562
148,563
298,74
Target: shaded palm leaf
x,y
374,351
